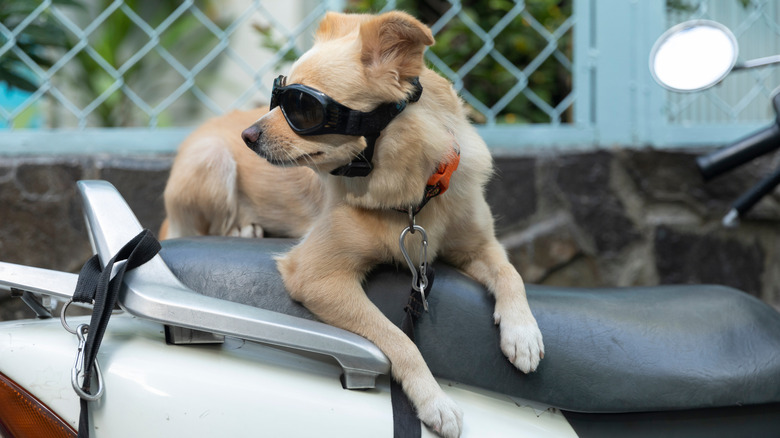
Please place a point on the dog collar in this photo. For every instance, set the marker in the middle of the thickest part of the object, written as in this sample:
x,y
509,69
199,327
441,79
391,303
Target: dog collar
x,y
370,125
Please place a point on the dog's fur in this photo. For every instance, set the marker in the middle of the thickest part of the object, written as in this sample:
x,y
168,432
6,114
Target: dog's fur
x,y
218,186
349,225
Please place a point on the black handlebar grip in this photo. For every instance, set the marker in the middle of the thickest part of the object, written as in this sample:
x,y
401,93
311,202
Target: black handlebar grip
x,y
744,150
752,196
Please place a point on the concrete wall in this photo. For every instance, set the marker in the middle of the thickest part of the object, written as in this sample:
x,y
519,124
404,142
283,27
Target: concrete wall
x,y
604,218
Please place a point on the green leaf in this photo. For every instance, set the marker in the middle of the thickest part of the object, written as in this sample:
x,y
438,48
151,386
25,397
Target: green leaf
x,y
43,34
16,80
71,3
42,61
19,8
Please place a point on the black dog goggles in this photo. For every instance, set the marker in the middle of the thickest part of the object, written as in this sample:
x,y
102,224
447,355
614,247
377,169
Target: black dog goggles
x,y
311,112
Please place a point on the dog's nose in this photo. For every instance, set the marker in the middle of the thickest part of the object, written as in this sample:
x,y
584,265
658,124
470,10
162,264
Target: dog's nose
x,y
251,135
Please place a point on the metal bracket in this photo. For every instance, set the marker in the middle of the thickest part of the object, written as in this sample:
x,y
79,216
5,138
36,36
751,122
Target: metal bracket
x,y
184,336
40,304
152,292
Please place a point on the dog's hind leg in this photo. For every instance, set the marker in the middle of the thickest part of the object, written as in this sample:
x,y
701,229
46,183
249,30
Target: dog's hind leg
x,y
201,195
251,230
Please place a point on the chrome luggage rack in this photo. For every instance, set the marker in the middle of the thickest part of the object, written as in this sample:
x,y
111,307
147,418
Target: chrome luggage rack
x,y
152,292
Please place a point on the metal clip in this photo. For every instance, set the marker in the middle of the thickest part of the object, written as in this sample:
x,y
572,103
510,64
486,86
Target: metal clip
x,y
419,278
62,318
78,367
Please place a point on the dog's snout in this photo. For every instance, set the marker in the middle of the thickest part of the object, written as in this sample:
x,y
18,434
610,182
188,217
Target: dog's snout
x,y
251,135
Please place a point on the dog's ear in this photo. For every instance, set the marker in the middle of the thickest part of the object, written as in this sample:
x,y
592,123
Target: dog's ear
x,y
393,43
336,25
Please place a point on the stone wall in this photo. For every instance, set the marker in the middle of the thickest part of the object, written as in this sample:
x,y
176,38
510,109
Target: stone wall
x,y
634,217
618,217
41,221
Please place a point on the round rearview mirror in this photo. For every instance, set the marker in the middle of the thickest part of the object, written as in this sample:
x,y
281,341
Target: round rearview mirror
x,y
693,56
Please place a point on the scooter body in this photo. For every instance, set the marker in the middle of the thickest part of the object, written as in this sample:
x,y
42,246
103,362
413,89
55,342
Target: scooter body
x,y
239,358
235,389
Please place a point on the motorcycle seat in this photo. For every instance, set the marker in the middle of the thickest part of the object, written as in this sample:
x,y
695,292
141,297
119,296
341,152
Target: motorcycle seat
x,y
609,350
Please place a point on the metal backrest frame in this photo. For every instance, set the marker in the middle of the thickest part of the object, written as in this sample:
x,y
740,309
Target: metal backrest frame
x,y
152,292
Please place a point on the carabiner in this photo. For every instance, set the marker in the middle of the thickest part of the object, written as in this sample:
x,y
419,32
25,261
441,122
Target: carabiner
x,y
78,367
419,277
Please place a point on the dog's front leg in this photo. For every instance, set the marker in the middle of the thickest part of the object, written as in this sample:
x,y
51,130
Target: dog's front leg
x,y
337,298
521,340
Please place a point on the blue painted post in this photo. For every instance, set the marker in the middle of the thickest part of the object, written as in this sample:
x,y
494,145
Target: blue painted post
x,y
627,107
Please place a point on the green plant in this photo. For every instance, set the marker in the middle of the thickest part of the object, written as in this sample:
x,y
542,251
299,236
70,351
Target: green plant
x,y
518,42
41,40
150,77
269,40
685,6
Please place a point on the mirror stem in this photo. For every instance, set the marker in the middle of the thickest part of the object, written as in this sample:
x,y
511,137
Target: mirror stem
x,y
758,62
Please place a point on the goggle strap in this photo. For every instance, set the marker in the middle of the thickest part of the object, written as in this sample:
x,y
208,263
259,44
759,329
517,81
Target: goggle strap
x,y
418,89
361,165
363,124
370,126
373,122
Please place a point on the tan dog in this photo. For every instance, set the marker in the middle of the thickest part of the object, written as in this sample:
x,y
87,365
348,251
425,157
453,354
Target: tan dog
x,y
362,62
218,186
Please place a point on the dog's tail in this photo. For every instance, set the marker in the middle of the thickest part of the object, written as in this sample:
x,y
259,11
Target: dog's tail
x,y
201,195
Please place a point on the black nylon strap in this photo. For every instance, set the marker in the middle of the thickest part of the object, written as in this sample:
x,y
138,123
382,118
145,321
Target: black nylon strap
x,y
360,124
373,122
405,421
370,126
361,165
96,285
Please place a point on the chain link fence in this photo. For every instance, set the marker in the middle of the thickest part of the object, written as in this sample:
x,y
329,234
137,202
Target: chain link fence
x,y
545,72
81,63
136,62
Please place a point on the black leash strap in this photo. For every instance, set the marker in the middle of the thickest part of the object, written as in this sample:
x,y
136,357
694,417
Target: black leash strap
x,y
405,421
96,286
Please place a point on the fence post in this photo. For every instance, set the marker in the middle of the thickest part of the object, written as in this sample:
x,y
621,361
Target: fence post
x,y
584,56
651,97
334,5
623,102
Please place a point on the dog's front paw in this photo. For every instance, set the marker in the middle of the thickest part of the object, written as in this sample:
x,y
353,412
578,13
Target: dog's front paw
x,y
442,415
251,230
521,343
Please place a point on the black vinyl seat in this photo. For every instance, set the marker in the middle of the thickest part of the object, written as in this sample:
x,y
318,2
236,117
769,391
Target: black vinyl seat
x,y
619,350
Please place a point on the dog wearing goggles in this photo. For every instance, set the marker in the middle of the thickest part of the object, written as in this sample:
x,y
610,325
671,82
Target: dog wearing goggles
x,y
359,137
